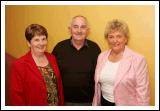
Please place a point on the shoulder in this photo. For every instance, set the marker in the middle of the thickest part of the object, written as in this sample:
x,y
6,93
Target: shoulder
x,y
49,55
134,54
63,42
21,66
93,46
91,43
61,45
138,61
20,61
103,55
135,57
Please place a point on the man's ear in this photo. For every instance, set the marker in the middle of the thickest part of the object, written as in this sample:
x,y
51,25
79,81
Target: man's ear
x,y
69,29
88,31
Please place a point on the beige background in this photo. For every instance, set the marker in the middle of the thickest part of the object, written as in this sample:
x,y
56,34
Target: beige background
x,y
56,19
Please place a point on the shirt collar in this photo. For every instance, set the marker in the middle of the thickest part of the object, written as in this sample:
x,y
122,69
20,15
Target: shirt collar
x,y
85,43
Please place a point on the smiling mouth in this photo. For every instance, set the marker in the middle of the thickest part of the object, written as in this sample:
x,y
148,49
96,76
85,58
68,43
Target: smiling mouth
x,y
115,45
79,34
40,47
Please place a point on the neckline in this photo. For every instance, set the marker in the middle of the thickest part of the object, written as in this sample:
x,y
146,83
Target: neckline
x,y
44,66
113,62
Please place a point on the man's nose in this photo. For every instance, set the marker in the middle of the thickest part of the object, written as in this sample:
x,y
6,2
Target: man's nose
x,y
79,29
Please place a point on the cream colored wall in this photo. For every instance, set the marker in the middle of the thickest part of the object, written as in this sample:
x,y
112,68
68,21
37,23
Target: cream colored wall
x,y
57,18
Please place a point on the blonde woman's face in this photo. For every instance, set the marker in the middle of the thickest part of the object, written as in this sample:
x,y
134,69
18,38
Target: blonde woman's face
x,y
116,41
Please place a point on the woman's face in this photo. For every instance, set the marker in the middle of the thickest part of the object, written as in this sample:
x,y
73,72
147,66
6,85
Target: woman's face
x,y
117,41
38,44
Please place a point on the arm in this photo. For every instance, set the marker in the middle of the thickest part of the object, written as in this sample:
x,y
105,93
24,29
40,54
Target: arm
x,y
142,82
97,92
16,86
97,95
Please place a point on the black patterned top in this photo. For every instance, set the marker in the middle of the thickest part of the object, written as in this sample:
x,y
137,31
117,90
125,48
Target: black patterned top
x,y
51,84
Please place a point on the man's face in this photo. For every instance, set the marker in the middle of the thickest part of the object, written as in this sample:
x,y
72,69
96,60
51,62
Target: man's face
x,y
79,29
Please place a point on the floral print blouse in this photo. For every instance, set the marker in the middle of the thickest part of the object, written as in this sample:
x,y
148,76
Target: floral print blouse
x,y
51,84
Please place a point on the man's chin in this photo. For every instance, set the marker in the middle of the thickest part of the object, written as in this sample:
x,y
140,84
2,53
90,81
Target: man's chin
x,y
79,39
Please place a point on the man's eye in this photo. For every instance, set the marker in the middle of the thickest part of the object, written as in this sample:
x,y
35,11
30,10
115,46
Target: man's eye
x,y
83,27
75,26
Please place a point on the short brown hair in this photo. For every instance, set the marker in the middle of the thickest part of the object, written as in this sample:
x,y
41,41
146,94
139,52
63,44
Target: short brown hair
x,y
117,25
35,29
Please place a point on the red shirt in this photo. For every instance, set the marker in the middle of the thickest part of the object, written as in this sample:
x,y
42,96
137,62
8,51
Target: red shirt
x,y
27,86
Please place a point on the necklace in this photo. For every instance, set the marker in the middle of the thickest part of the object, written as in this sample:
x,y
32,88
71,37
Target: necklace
x,y
40,61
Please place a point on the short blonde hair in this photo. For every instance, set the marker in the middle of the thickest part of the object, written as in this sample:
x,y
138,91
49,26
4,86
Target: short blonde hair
x,y
117,25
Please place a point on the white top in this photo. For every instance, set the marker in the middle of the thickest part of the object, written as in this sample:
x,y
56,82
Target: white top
x,y
107,78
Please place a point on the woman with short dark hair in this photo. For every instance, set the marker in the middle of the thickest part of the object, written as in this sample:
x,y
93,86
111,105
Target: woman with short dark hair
x,y
35,77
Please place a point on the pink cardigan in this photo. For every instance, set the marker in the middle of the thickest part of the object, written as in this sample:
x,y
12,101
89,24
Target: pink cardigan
x,y
132,80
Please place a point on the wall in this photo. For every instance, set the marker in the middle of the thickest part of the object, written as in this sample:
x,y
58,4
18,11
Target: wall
x,y
56,19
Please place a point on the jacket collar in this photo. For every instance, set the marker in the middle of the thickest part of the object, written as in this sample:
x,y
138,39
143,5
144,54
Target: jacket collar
x,y
28,59
123,66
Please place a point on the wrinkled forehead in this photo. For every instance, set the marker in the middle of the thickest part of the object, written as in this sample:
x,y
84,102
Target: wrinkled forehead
x,y
79,20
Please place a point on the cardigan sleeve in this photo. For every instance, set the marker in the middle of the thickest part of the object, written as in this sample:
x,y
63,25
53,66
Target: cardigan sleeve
x,y
142,82
97,93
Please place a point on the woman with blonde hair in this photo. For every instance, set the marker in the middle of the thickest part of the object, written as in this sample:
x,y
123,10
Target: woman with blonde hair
x,y
121,76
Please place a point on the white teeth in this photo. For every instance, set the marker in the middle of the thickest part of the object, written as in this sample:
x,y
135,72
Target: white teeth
x,y
40,47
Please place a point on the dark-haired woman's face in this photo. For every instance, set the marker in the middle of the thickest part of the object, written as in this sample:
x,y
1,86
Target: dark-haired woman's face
x,y
38,44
